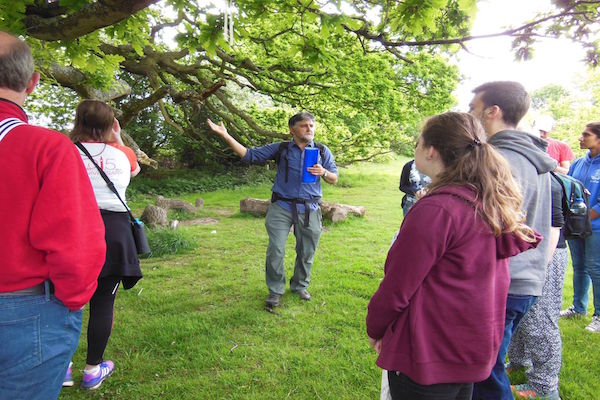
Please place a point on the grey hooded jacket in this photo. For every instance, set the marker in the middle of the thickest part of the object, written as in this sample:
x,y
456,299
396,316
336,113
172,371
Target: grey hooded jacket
x,y
530,165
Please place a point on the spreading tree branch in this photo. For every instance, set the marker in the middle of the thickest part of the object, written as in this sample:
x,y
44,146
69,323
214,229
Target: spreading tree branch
x,y
247,119
133,108
389,43
73,78
87,19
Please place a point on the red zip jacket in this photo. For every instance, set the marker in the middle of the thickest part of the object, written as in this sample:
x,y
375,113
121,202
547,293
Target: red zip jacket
x,y
50,223
440,307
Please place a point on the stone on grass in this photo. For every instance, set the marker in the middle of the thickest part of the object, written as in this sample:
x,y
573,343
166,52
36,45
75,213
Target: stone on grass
x,y
154,216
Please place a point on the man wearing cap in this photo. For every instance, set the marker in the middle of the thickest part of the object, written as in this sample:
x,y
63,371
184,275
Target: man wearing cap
x,y
51,242
557,149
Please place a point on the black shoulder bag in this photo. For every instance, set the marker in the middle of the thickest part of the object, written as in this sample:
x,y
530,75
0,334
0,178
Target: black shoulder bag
x,y
137,227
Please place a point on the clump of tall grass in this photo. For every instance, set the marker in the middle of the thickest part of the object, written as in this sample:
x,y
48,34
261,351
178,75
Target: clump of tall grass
x,y
165,241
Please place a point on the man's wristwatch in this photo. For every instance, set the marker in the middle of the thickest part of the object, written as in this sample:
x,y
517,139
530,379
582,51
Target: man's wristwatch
x,y
325,174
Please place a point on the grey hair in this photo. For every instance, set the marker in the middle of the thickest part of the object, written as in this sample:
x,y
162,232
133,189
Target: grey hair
x,y
16,64
301,116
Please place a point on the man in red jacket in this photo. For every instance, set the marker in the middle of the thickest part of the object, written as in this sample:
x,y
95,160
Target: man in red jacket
x,y
51,242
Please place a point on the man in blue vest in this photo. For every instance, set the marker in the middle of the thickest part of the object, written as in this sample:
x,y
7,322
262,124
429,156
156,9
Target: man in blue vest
x,y
293,201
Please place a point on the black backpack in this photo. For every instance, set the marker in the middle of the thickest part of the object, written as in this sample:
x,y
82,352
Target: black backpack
x,y
283,146
577,226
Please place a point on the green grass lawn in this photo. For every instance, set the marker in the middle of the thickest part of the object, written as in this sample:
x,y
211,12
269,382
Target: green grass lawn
x,y
195,327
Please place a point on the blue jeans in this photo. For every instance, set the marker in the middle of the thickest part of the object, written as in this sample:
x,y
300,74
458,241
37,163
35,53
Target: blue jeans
x,y
38,337
585,254
497,386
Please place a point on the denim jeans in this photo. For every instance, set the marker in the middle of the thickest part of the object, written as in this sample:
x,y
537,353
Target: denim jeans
x,y
497,386
38,337
537,344
585,254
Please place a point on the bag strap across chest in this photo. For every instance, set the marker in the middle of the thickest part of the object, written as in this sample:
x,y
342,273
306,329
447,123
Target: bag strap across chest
x,y
111,185
284,148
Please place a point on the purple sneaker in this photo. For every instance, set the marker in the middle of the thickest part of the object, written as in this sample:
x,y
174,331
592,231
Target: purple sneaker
x,y
94,380
68,381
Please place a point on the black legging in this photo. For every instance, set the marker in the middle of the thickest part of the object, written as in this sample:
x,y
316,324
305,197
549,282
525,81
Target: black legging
x,y
403,388
101,318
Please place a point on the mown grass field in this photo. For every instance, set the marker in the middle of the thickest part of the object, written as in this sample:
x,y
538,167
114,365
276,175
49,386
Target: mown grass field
x,y
195,327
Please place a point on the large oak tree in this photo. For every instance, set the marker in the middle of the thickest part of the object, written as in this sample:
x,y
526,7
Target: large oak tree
x,y
369,70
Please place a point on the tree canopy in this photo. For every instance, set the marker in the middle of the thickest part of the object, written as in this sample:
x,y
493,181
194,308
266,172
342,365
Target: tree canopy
x,y
369,70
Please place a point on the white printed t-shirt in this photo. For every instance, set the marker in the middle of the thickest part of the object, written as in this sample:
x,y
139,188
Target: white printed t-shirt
x,y
117,162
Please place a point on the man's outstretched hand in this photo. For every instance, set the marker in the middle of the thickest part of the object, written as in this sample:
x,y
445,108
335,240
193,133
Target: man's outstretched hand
x,y
218,129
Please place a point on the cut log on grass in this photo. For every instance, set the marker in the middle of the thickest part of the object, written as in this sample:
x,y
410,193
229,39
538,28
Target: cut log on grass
x,y
154,216
335,213
332,211
359,211
256,207
177,204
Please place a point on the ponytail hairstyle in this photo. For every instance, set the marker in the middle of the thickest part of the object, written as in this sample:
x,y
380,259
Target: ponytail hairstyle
x,y
93,122
469,160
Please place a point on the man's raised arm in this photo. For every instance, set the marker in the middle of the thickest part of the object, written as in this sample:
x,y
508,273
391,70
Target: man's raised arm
x,y
220,130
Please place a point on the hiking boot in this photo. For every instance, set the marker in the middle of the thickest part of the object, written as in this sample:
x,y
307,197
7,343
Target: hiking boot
x,y
272,300
303,294
527,392
93,380
594,326
68,381
571,313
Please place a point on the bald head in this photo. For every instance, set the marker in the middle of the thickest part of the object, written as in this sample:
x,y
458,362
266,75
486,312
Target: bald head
x,y
16,63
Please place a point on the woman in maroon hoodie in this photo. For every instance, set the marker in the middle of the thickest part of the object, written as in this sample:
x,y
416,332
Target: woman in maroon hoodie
x,y
437,318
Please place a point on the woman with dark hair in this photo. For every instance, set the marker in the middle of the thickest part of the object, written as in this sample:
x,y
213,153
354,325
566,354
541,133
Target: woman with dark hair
x,y
585,253
99,132
437,319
